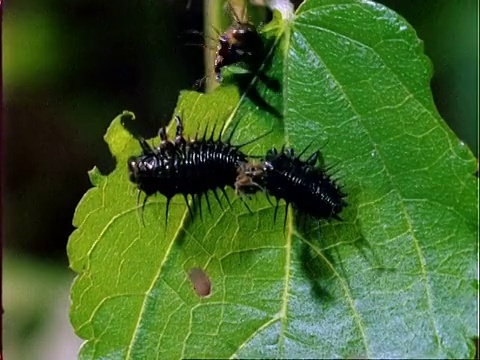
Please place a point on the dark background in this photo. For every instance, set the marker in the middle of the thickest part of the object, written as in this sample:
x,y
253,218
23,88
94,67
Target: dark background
x,y
69,67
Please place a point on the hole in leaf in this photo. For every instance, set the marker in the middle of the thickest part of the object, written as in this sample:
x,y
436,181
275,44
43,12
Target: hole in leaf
x,y
201,282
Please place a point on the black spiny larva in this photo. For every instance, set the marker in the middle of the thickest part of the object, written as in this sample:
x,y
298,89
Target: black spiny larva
x,y
186,166
308,188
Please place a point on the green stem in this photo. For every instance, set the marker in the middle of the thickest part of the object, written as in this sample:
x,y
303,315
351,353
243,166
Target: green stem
x,y
214,21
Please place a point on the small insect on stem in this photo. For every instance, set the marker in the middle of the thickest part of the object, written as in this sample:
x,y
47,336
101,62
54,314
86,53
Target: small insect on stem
x,y
239,43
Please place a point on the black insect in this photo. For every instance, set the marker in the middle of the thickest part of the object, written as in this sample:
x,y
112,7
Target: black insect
x,y
308,188
239,43
186,166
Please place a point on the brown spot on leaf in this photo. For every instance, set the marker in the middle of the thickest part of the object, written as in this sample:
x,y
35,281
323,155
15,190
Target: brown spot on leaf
x,y
201,282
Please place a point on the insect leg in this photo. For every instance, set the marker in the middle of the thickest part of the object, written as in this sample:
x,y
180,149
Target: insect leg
x,y
198,83
196,32
238,19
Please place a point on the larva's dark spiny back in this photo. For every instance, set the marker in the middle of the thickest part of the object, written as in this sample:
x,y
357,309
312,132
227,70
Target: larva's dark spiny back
x,y
308,188
185,166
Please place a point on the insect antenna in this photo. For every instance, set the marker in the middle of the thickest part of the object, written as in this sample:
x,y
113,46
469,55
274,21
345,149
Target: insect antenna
x,y
202,34
209,47
234,14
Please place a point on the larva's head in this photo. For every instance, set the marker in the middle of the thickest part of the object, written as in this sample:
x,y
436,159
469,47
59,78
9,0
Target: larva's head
x,y
132,169
142,170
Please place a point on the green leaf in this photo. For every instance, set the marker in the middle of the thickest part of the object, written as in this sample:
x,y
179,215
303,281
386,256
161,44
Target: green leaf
x,y
396,278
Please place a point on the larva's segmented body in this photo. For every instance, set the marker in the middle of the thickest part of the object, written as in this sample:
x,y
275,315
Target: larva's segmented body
x,y
186,167
308,188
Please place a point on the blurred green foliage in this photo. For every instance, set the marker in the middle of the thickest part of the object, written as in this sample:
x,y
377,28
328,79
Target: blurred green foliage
x,y
30,58
35,300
